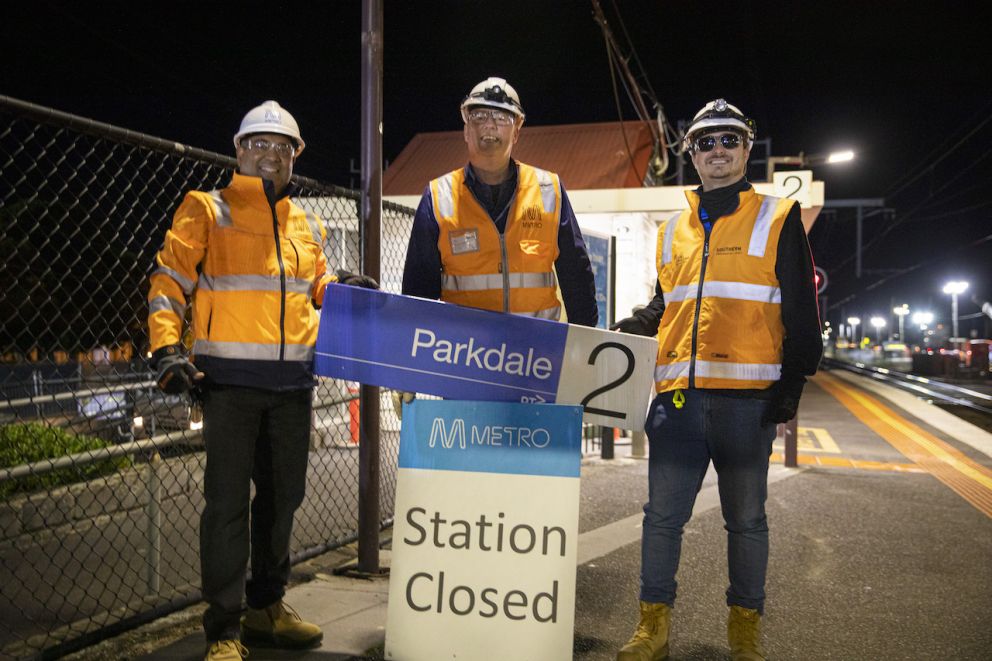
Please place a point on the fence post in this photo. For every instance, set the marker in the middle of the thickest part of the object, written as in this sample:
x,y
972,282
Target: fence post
x,y
153,510
792,442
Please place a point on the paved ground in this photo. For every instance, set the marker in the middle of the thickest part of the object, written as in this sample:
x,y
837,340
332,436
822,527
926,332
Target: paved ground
x,y
872,556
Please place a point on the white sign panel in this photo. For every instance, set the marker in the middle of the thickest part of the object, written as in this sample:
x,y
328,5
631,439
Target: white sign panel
x,y
795,184
479,572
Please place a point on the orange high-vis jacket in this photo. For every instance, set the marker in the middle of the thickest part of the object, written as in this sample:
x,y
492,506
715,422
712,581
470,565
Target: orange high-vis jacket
x,y
510,272
255,274
722,325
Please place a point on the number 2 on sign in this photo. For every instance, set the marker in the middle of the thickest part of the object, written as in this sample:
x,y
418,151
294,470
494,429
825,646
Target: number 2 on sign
x,y
612,384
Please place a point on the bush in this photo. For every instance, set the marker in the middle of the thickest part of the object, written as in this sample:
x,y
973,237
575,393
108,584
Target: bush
x,y
26,443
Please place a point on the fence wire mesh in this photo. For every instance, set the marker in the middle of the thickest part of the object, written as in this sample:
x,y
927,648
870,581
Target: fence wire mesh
x,y
100,473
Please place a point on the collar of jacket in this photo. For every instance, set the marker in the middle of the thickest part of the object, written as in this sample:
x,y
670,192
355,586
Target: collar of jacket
x,y
718,202
259,191
471,179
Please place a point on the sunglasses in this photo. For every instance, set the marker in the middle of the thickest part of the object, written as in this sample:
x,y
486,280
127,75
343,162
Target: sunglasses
x,y
708,142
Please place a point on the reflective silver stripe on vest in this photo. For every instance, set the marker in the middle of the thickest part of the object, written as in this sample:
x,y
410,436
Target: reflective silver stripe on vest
x,y
762,227
221,209
495,281
162,303
184,283
739,371
446,199
314,227
681,293
252,350
666,250
554,314
253,283
672,371
547,184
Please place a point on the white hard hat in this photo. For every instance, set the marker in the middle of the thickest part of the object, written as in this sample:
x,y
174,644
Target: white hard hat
x,y
493,93
270,117
718,114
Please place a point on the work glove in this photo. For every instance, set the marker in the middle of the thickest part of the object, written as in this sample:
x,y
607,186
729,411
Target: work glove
x,y
401,397
633,326
784,401
356,279
176,374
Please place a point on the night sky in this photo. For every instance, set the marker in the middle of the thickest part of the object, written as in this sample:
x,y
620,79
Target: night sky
x,y
908,90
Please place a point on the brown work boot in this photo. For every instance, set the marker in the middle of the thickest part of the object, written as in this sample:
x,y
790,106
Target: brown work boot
x,y
280,626
226,650
650,641
744,634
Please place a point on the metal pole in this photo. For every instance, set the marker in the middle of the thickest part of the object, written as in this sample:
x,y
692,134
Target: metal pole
x,y
857,257
154,526
368,450
606,438
792,442
954,313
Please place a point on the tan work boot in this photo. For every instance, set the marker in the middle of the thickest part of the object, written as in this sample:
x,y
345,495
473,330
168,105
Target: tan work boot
x,y
744,634
279,625
226,650
650,641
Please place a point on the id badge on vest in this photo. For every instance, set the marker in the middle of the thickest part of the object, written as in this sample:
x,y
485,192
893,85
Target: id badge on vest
x,y
464,241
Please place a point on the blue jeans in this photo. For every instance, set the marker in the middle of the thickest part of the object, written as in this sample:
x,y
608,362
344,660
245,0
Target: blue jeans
x,y
728,432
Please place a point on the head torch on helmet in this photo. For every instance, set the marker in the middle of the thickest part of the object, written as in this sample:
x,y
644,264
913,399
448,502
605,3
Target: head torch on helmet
x,y
493,92
718,115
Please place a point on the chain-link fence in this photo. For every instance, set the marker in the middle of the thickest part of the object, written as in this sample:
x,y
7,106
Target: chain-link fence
x,y
100,473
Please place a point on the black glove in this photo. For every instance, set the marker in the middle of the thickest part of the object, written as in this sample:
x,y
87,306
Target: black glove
x,y
176,374
356,279
784,401
633,326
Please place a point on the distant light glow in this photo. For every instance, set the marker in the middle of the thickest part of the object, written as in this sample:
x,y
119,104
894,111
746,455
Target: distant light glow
x,y
955,287
902,310
854,321
922,317
877,322
840,156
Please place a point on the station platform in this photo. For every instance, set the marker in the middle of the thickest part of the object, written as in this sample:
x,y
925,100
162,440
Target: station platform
x,y
881,548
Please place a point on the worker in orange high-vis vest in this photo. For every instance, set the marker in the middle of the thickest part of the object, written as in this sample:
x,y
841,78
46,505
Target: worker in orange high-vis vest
x,y
498,234
738,331
252,263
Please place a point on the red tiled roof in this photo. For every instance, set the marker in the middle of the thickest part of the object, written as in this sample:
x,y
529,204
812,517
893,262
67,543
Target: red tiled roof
x,y
584,155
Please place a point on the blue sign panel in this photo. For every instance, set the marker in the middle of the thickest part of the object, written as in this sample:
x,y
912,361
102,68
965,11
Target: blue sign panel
x,y
432,347
492,437
599,258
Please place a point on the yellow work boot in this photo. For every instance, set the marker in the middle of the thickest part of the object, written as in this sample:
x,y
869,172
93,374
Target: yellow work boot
x,y
280,626
744,634
650,641
226,650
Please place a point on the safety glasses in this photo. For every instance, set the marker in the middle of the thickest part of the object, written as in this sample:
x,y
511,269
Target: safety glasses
x,y
708,142
482,115
283,149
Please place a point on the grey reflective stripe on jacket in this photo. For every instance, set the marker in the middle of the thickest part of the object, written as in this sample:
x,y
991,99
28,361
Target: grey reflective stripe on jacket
x,y
253,283
314,223
446,198
495,281
762,227
252,350
160,303
222,210
547,184
184,283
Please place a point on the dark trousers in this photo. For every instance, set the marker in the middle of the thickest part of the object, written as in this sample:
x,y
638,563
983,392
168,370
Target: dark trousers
x,y
259,436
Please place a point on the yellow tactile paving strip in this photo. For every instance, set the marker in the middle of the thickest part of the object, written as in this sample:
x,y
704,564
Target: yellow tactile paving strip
x,y
967,478
843,462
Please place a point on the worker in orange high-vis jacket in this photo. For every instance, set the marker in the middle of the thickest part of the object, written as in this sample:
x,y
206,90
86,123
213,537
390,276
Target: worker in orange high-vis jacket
x,y
252,263
738,331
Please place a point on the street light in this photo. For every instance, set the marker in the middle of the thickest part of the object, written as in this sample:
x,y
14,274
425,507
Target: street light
x,y
955,287
878,323
807,160
854,321
901,312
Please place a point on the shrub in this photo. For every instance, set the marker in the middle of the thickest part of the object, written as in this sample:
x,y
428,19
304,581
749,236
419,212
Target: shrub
x,y
26,443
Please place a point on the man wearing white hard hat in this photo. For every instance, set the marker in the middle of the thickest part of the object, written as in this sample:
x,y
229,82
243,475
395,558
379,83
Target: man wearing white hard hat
x,y
498,234
738,330
252,264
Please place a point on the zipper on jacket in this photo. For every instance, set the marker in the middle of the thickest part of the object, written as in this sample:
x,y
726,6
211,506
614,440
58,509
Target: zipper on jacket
x,y
282,283
699,304
504,269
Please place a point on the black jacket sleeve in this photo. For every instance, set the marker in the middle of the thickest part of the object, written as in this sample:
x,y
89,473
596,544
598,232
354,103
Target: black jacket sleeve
x,y
646,320
803,343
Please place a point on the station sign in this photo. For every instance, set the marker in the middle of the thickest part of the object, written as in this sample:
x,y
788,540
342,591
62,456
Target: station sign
x,y
480,569
795,184
425,346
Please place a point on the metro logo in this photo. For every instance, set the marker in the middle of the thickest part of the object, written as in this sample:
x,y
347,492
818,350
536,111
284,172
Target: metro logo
x,y
491,435
492,359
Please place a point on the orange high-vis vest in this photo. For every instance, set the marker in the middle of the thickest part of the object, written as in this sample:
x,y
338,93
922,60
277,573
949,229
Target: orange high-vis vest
x,y
722,325
509,272
251,276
